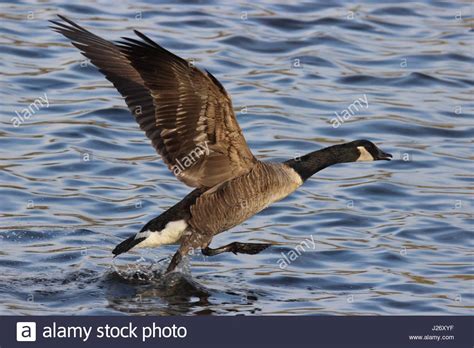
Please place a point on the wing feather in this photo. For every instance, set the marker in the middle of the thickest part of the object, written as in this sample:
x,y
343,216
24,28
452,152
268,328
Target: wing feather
x,y
185,112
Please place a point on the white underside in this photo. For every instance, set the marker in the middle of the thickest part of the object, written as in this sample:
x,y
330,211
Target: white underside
x,y
171,234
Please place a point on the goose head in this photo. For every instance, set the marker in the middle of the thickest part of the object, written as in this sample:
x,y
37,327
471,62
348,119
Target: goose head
x,y
367,151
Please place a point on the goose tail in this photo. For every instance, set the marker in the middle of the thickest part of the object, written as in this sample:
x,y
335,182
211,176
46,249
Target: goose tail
x,y
126,245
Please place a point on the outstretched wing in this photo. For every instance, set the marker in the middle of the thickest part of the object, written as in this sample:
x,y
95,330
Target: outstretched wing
x,y
186,113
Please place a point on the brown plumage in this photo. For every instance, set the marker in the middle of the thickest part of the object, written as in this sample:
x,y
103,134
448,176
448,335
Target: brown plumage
x,y
188,116
238,199
177,105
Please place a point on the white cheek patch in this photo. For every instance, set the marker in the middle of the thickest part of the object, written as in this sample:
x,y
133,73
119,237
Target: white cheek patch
x,y
171,234
364,154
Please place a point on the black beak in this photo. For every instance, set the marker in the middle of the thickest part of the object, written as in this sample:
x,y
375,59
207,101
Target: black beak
x,y
384,156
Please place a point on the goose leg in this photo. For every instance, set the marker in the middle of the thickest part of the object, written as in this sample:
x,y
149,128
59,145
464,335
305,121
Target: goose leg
x,y
236,247
177,257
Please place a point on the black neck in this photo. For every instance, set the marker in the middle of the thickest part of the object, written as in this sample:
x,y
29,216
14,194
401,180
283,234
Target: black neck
x,y
313,162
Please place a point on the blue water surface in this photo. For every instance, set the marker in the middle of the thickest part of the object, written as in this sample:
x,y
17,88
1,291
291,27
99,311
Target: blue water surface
x,y
78,176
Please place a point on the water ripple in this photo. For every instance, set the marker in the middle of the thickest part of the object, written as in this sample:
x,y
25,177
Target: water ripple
x,y
382,238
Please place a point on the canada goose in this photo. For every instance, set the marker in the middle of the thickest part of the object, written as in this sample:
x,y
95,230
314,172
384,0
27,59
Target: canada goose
x,y
188,116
